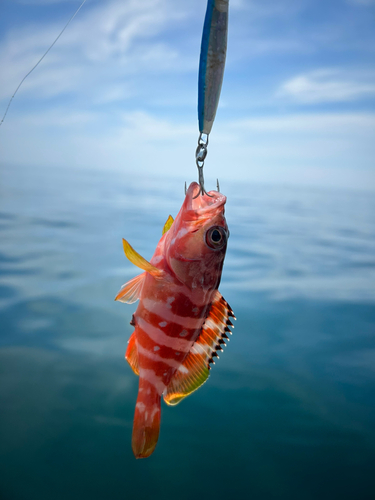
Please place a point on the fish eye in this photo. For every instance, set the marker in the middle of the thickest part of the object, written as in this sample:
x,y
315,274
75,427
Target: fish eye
x,y
216,237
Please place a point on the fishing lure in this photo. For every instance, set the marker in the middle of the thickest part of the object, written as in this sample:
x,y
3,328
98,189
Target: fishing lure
x,y
212,62
211,74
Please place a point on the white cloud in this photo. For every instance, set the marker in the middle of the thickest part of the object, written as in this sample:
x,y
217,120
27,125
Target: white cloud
x,y
328,85
103,44
151,128
115,92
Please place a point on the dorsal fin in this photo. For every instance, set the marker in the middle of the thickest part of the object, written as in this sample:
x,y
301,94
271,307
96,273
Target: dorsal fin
x,y
131,354
131,291
194,371
139,261
168,224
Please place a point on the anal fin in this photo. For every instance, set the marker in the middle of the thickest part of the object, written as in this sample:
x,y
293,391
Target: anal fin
x,y
194,371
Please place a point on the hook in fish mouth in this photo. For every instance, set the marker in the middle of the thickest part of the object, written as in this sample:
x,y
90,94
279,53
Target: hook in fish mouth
x,y
202,203
202,191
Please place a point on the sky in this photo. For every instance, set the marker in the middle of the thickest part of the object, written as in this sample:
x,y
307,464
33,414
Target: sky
x,y
118,91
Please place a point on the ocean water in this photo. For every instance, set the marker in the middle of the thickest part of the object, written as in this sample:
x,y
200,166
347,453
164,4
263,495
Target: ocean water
x,y
289,409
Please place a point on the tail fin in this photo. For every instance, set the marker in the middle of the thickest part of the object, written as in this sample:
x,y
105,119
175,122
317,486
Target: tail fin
x,y
146,423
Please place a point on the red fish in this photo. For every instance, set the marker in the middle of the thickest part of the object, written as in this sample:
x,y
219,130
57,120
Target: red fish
x,y
182,319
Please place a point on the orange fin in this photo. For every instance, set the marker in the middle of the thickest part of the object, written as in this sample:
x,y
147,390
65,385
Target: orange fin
x,y
139,261
130,292
194,371
131,354
146,423
168,224
188,378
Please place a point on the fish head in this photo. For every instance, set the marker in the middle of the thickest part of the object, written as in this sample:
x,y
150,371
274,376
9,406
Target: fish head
x,y
196,243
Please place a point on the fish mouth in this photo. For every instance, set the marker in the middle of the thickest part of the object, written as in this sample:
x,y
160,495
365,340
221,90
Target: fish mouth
x,y
213,202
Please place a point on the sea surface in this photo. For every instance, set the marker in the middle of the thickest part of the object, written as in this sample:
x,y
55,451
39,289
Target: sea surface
x,y
289,409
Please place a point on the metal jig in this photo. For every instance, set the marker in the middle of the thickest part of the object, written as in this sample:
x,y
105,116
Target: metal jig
x,y
210,77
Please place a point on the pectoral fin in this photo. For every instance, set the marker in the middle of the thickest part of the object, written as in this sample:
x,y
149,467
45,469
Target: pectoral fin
x,y
139,261
194,371
131,291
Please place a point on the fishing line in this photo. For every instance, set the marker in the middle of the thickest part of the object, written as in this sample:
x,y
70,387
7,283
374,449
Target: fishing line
x,y
41,59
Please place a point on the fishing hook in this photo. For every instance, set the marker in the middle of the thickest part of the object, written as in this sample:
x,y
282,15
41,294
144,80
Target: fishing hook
x,y
200,156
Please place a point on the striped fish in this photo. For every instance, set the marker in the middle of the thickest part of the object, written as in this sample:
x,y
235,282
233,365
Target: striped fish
x,y
181,320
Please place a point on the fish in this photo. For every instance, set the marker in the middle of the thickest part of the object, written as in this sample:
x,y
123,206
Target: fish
x,y
182,320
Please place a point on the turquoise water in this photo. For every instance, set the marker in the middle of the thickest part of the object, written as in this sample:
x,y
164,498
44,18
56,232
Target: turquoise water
x,y
289,409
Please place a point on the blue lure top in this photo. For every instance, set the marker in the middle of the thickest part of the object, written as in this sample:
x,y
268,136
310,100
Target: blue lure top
x,y
212,62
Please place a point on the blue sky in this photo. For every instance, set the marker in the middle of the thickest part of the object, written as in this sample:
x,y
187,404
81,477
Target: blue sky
x,y
119,89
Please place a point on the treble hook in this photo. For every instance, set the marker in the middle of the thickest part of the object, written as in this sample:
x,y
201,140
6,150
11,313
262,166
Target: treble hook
x,y
217,188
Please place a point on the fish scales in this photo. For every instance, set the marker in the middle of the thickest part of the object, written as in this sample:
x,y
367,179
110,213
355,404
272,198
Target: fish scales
x,y
181,318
